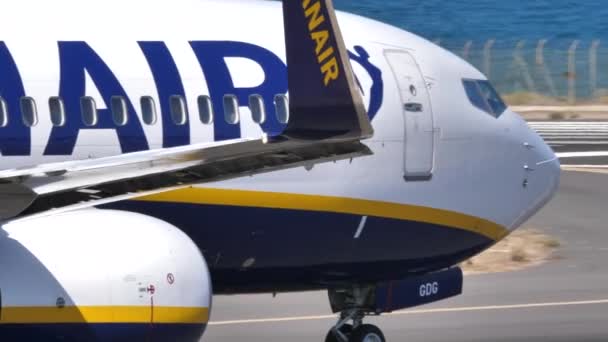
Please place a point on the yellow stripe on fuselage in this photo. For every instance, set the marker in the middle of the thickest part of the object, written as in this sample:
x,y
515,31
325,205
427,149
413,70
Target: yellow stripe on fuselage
x,y
342,205
104,314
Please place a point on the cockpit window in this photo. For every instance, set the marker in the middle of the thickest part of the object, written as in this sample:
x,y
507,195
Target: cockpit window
x,y
491,95
475,96
483,96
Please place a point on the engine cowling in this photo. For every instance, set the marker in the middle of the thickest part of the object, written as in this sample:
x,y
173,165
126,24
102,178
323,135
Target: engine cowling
x,y
101,275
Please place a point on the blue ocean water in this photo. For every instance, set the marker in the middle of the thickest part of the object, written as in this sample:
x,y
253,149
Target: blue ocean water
x,y
453,23
508,20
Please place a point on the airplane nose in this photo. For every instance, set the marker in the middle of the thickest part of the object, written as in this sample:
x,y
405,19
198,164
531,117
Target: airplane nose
x,y
542,174
541,168
548,168
551,169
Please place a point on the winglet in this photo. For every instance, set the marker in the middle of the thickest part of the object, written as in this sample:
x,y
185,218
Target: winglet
x,y
324,102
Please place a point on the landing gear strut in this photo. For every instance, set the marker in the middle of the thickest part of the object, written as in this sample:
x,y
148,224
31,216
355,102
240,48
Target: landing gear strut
x,y
356,332
353,304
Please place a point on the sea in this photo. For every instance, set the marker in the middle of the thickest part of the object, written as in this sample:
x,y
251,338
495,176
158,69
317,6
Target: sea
x,y
517,27
456,21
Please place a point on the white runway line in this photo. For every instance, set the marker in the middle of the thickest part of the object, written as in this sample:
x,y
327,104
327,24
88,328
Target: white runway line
x,y
590,166
420,312
582,154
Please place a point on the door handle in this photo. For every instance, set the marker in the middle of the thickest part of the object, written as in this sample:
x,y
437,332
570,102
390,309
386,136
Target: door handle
x,y
413,107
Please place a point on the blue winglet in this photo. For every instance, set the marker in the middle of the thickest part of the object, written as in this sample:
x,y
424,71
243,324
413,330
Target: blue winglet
x,y
324,102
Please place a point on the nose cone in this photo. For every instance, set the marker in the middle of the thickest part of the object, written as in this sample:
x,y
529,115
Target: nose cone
x,y
541,169
550,169
546,168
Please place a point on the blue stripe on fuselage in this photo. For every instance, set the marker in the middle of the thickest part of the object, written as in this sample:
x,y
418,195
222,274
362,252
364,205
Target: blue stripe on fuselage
x,y
127,332
15,138
296,249
78,58
168,83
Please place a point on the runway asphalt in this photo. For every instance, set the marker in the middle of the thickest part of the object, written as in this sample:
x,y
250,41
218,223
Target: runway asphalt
x,y
575,136
565,299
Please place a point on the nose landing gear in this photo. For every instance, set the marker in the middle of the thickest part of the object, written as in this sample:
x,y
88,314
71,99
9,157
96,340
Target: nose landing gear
x,y
353,304
356,332
355,301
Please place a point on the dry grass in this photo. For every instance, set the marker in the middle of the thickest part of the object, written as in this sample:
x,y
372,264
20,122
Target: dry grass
x,y
532,99
525,98
552,243
519,255
522,249
601,96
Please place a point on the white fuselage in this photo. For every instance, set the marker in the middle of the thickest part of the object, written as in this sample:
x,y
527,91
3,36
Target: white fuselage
x,y
478,160
440,165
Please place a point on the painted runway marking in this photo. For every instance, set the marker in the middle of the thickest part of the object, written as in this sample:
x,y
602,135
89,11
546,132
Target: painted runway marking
x,y
420,312
582,154
574,166
361,226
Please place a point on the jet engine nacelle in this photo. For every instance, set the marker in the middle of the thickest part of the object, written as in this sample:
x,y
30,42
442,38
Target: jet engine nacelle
x,y
101,275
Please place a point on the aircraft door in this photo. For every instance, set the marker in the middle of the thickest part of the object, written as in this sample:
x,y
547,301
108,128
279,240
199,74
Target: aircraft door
x,y
419,137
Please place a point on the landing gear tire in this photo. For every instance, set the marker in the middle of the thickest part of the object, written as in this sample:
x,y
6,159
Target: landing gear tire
x,y
367,333
354,304
346,330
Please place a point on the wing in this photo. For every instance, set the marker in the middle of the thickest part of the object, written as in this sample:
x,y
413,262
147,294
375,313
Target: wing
x,y
327,121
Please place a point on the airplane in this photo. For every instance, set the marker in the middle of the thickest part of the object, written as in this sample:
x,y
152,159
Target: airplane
x,y
155,154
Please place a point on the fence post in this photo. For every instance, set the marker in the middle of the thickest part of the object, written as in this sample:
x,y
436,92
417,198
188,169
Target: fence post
x,y
487,57
593,67
467,49
540,52
520,62
544,69
572,72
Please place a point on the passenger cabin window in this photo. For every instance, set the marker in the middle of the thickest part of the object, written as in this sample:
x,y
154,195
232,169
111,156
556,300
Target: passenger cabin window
x,y
29,111
57,110
258,110
281,104
148,110
88,108
179,110
3,113
483,96
119,110
231,109
205,109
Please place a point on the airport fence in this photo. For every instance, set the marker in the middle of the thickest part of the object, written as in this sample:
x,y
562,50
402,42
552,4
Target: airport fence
x,y
544,72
